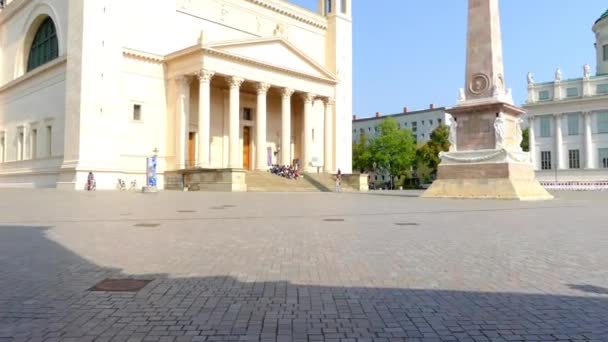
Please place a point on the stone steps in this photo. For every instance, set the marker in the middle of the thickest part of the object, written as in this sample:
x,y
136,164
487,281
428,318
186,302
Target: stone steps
x,y
260,181
327,181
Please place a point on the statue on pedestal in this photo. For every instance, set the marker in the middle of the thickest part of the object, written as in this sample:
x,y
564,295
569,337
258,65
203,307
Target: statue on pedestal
x,y
453,137
586,71
499,131
530,79
519,135
558,75
461,96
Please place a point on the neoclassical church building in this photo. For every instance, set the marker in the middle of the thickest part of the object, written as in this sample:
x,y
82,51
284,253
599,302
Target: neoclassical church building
x,y
99,85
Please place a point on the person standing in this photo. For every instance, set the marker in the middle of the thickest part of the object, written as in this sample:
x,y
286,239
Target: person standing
x,y
339,181
90,182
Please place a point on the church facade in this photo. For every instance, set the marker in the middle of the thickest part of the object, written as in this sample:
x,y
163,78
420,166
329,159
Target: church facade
x,y
568,120
100,85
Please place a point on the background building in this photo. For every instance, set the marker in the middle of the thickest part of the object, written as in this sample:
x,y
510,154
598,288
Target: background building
x,y
220,84
568,120
422,123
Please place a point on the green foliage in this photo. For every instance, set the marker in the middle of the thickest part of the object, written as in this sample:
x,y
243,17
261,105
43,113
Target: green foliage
x,y
525,143
394,150
428,154
362,155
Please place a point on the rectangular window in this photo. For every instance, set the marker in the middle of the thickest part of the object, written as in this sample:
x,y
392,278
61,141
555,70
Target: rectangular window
x,y
543,95
431,122
574,159
602,122
439,121
344,8
572,92
602,89
605,52
603,154
20,146
414,126
247,114
136,112
545,160
545,126
2,147
328,6
49,141
573,127
34,144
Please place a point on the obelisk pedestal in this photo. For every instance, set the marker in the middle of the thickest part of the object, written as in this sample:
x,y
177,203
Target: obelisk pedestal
x,y
486,160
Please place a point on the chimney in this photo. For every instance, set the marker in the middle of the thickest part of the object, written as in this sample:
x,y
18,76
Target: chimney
x,y
432,106
354,117
405,110
377,114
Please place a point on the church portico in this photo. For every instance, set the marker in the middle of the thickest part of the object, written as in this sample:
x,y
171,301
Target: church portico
x,y
228,116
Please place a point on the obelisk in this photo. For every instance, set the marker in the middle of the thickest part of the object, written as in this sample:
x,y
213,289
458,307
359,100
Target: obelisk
x,y
485,159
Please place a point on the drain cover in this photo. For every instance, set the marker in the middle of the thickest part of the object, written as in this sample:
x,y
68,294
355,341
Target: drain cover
x,y
229,206
147,225
120,285
126,214
407,224
186,211
334,220
217,208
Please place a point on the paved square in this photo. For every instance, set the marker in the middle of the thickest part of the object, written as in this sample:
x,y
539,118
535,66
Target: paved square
x,y
302,267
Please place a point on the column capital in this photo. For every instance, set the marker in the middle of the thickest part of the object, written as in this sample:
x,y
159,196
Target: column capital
x,y
205,75
308,97
329,101
587,113
557,115
262,88
287,92
183,80
235,82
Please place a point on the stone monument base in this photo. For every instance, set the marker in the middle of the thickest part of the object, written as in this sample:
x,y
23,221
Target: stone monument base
x,y
487,174
198,179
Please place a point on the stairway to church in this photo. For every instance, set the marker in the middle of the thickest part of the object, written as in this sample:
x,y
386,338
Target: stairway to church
x,y
327,182
260,181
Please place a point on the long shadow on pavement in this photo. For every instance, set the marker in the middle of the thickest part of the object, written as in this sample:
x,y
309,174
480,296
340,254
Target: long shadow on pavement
x,y
44,296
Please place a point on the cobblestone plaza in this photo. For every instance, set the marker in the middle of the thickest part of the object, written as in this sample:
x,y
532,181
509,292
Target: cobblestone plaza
x,y
302,267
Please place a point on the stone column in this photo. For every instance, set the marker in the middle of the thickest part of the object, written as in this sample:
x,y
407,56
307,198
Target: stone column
x,y
286,127
260,127
233,126
204,118
589,160
307,155
328,141
532,141
559,143
183,106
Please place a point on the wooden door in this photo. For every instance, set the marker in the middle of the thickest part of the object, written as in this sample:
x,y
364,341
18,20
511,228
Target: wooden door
x,y
191,162
246,147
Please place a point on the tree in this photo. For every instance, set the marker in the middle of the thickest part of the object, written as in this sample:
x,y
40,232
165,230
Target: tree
x,y
428,154
362,155
525,142
394,150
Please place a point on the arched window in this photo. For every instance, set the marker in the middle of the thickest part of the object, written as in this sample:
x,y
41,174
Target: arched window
x,y
45,47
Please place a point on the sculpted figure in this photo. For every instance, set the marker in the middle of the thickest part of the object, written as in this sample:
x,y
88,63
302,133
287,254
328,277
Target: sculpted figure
x,y
519,136
461,96
530,79
499,131
453,138
586,71
558,75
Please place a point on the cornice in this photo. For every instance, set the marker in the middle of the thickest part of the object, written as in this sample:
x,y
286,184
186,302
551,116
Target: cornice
x,y
12,8
285,8
577,100
48,66
144,56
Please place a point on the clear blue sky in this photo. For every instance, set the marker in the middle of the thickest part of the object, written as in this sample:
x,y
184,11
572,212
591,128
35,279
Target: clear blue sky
x,y
412,53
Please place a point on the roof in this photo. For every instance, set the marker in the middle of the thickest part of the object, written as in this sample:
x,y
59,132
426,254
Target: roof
x,y
437,109
604,16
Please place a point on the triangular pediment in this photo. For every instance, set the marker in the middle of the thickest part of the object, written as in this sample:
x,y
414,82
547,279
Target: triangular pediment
x,y
276,52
